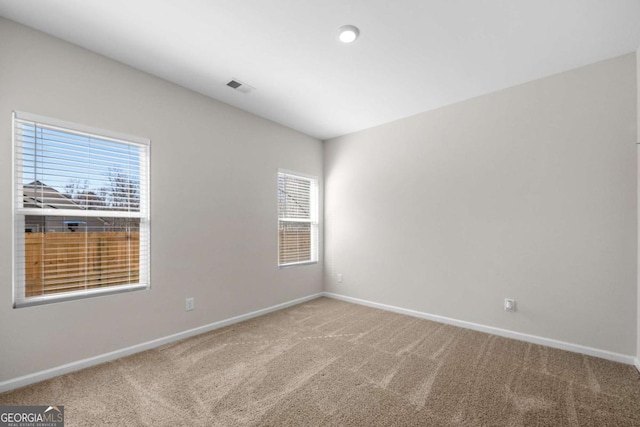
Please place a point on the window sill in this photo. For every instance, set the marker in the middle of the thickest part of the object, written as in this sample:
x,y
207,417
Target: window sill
x,y
70,296
297,264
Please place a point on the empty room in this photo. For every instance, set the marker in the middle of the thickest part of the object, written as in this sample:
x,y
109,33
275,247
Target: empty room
x,y
319,213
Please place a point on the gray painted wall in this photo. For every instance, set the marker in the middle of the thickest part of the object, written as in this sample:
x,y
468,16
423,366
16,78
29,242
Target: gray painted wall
x,y
527,193
213,178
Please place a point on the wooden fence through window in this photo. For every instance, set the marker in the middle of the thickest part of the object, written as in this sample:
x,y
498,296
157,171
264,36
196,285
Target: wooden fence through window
x,y
295,243
63,262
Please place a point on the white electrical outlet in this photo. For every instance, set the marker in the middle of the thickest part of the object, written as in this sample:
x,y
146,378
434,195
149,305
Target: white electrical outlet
x,y
189,304
339,277
509,304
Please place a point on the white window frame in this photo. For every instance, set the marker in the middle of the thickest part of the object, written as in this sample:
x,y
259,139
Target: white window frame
x,y
19,212
313,219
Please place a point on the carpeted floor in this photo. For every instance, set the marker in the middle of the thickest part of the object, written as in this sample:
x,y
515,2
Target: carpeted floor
x,y
330,363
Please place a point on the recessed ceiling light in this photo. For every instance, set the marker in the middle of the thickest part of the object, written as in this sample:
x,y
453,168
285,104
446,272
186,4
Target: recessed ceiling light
x,y
348,33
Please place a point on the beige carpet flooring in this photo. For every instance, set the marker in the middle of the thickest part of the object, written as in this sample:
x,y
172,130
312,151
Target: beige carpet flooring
x,y
330,363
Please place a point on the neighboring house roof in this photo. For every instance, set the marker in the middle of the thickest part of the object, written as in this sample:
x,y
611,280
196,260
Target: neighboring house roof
x,y
40,195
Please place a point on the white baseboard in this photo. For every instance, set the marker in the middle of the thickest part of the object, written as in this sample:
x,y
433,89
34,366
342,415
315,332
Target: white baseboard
x,y
96,360
576,348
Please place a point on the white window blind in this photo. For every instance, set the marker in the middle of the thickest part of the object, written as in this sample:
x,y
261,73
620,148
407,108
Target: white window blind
x,y
297,219
81,211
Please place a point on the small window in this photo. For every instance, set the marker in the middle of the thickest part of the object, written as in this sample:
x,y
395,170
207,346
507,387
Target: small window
x,y
81,211
297,219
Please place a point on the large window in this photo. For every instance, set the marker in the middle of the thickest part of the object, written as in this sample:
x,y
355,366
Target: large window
x,y
297,219
81,211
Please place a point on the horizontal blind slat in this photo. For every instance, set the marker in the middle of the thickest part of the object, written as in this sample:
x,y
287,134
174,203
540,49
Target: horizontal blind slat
x,y
296,219
72,182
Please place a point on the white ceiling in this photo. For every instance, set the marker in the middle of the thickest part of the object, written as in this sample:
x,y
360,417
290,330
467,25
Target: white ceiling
x,y
412,55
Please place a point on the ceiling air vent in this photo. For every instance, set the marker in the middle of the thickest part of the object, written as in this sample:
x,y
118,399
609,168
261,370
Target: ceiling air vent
x,y
239,86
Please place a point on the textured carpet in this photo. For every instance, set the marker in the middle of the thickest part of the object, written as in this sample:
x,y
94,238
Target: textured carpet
x,y
328,363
